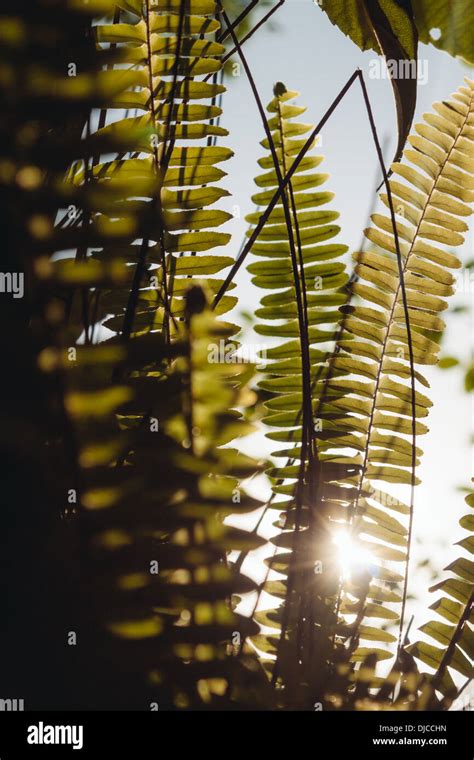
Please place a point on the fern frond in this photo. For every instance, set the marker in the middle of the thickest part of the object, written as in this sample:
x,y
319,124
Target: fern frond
x,y
41,130
162,55
323,273
432,190
455,633
362,397
147,421
300,324
158,479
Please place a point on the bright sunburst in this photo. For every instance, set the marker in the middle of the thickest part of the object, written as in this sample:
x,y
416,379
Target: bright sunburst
x,y
352,557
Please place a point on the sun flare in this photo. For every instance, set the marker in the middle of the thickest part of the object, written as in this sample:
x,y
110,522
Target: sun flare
x,y
352,557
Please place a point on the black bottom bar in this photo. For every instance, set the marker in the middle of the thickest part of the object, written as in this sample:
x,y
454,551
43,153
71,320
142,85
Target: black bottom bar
x,y
134,735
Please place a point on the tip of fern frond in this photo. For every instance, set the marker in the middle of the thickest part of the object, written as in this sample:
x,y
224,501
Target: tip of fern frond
x,y
279,89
